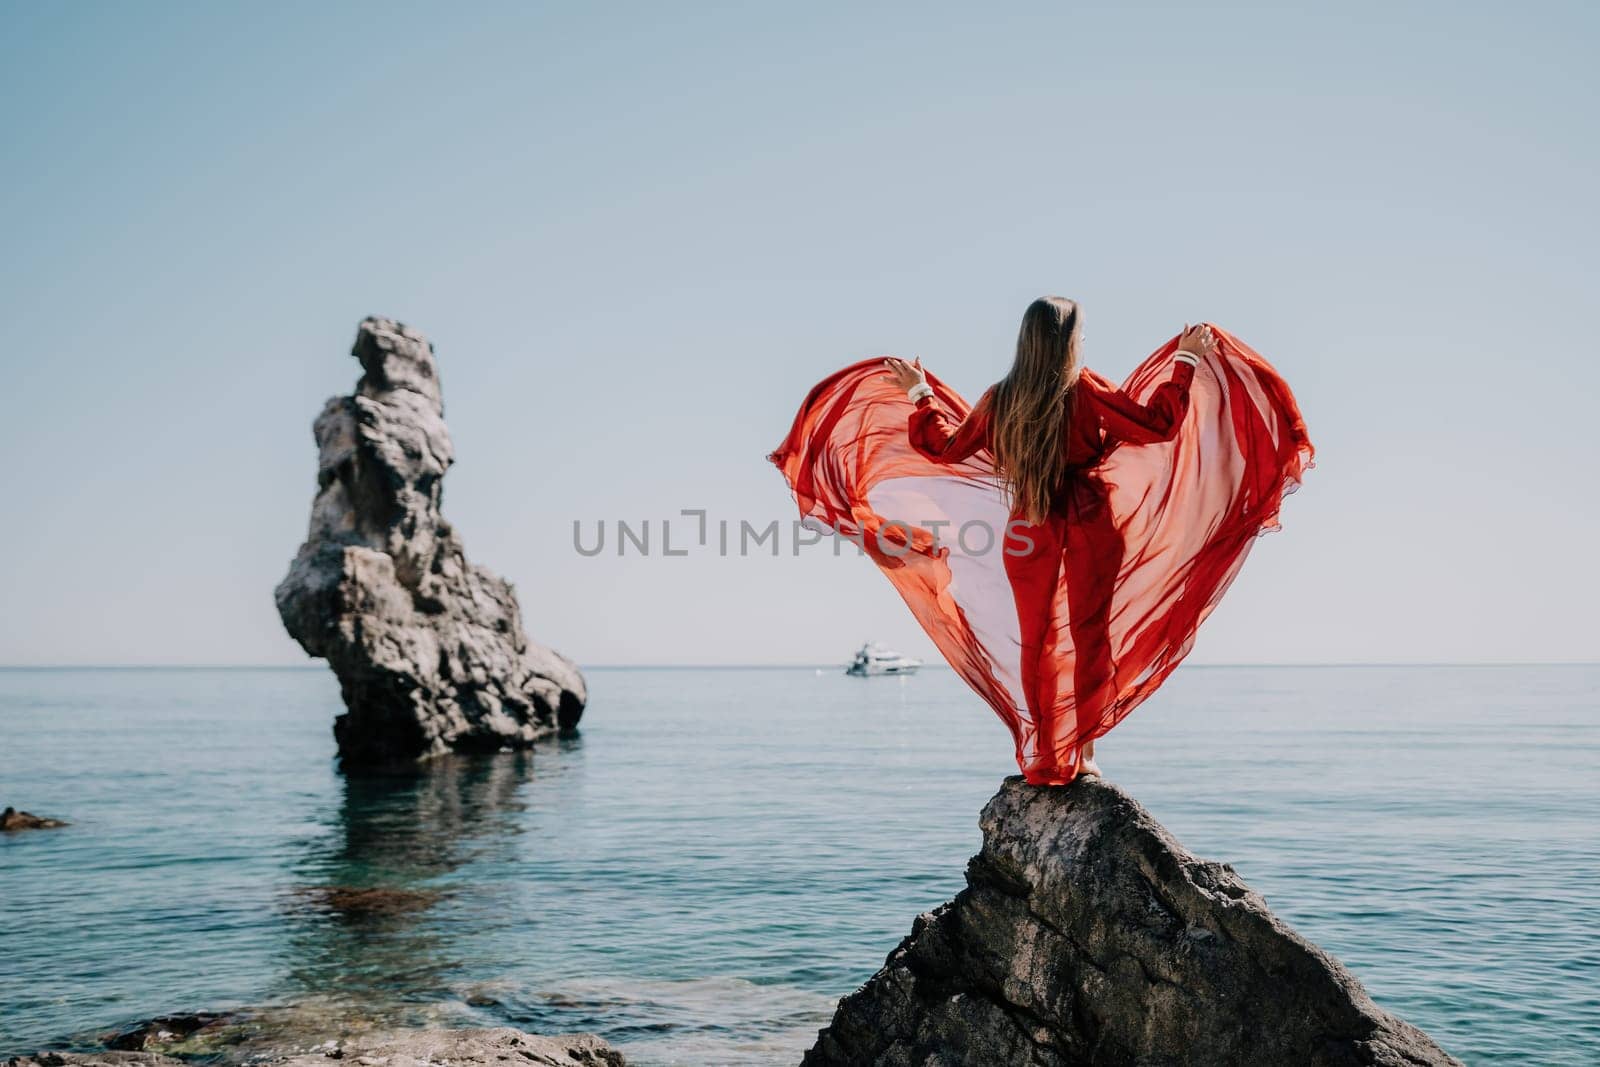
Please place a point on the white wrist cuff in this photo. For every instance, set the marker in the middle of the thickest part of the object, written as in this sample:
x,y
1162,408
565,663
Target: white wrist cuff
x,y
1185,357
918,391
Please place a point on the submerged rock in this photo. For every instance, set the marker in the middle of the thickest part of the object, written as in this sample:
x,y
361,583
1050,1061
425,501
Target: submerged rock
x,y
1088,935
361,902
404,1048
94,1059
428,648
12,819
167,1030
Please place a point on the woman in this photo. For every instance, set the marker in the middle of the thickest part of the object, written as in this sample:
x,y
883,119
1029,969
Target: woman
x,y
1117,516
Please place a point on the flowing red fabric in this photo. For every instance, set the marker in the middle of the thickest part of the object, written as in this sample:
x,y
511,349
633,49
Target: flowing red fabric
x,y
1065,627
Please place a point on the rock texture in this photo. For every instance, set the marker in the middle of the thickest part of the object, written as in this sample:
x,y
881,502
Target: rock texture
x,y
428,648
408,1048
12,819
1088,935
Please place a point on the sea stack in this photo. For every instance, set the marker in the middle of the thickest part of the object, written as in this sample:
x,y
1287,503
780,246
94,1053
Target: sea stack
x,y
428,648
1088,935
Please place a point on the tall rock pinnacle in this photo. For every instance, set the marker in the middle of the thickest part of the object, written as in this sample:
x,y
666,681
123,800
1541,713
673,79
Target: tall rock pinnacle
x,y
428,648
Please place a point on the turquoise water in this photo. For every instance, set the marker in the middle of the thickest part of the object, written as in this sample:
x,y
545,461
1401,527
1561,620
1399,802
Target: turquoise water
x,y
723,853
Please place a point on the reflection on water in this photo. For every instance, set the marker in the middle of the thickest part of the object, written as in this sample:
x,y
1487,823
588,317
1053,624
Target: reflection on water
x,y
368,884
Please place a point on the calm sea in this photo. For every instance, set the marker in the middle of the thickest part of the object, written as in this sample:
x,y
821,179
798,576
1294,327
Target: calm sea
x,y
723,853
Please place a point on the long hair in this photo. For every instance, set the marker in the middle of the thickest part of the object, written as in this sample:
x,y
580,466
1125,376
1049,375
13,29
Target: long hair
x,y
1031,407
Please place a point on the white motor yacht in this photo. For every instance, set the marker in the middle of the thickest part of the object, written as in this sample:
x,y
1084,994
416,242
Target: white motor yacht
x,y
874,659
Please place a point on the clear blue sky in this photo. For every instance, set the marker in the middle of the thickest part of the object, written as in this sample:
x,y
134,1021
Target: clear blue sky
x,y
638,234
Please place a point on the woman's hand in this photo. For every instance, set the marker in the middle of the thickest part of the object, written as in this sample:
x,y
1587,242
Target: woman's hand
x,y
1198,341
905,375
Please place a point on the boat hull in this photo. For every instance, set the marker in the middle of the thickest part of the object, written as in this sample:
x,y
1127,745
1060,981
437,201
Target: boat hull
x,y
880,671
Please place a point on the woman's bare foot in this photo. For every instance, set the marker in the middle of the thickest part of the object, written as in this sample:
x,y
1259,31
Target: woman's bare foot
x,y
1087,767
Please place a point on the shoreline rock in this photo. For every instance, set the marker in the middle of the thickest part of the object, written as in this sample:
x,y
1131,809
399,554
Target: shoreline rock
x,y
11,820
428,648
1088,935
395,1048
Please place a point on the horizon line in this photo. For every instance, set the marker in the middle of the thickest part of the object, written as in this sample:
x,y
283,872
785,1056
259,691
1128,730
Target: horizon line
x,y
777,666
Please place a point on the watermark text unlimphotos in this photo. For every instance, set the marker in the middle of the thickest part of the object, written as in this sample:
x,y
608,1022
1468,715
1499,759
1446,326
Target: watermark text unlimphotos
x,y
693,531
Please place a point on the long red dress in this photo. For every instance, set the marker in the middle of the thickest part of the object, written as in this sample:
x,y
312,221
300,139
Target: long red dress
x,y
1066,626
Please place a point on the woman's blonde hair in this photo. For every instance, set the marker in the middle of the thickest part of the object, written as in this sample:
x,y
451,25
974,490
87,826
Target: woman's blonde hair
x,y
1031,407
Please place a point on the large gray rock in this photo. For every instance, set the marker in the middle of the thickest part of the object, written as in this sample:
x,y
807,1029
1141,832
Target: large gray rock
x,y
1088,935
404,1048
428,648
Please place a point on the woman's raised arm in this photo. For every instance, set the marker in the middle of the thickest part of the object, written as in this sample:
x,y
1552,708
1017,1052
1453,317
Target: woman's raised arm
x,y
933,433
1158,419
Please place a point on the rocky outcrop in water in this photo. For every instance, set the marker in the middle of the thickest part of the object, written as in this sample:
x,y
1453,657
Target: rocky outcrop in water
x,y
406,1048
428,648
12,819
1088,935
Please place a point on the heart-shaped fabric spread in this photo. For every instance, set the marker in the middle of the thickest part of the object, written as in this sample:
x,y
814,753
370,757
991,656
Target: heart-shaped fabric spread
x,y
1066,626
